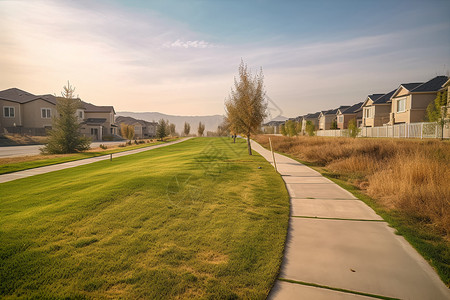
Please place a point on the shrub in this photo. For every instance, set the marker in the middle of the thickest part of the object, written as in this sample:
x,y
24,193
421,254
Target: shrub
x,y
104,147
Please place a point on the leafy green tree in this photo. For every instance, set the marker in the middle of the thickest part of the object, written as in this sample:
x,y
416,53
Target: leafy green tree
x,y
201,129
245,107
310,128
65,136
283,129
161,129
187,128
334,124
298,127
437,110
353,129
434,109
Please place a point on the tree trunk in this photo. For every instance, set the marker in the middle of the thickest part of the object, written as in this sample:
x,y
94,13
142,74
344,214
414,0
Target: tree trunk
x,y
249,146
234,139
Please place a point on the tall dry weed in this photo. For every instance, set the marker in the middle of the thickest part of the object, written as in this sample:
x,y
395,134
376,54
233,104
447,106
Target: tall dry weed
x,y
411,176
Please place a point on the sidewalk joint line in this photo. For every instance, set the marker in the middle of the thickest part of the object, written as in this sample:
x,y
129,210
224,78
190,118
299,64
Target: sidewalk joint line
x,y
336,289
338,219
330,199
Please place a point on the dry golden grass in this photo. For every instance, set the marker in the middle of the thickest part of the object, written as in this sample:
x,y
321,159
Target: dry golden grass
x,y
411,176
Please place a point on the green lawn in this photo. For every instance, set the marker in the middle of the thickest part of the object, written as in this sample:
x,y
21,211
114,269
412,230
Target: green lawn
x,y
197,219
43,161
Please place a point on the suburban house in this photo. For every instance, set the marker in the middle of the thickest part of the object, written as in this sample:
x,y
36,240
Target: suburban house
x,y
326,118
314,118
97,122
272,127
142,129
344,115
409,102
376,110
25,113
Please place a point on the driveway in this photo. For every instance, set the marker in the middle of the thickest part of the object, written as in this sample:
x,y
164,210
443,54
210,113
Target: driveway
x,y
13,151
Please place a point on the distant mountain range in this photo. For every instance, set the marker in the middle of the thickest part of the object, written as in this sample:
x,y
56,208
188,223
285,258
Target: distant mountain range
x,y
211,122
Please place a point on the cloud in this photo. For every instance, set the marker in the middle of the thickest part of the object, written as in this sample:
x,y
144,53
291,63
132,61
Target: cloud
x,y
188,44
139,60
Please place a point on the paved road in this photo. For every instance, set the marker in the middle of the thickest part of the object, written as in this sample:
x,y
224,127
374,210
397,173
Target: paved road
x,y
13,151
76,163
335,241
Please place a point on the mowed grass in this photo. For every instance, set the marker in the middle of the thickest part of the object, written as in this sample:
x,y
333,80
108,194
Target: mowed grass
x,y
197,219
15,164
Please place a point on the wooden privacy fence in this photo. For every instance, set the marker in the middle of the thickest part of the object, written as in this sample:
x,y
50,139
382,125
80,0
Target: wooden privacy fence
x,y
407,130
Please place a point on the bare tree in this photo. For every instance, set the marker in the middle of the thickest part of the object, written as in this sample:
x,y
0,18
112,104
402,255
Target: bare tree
x,y
201,129
172,129
127,131
245,107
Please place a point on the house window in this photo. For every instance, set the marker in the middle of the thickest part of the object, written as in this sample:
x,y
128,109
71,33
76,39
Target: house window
x,y
80,114
340,119
369,112
401,105
8,112
46,113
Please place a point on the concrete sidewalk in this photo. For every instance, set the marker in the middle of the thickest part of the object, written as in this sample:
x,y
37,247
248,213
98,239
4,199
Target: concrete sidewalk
x,y
76,163
339,248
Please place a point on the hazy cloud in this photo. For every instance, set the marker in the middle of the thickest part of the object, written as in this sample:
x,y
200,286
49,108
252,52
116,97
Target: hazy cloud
x,y
188,44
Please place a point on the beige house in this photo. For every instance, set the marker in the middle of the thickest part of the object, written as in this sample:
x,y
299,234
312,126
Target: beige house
x,y
409,102
142,129
344,115
314,118
97,122
25,113
376,110
326,118
272,127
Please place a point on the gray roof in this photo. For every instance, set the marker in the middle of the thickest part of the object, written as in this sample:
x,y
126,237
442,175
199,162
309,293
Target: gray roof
x,y
374,97
352,109
385,98
273,123
130,121
312,116
94,108
432,85
334,111
411,86
94,121
19,96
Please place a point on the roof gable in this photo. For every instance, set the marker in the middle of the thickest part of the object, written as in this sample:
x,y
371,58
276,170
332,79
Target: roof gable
x,y
385,98
406,86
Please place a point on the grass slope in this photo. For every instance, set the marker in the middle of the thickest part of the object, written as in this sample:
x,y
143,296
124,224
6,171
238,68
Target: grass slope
x,y
191,220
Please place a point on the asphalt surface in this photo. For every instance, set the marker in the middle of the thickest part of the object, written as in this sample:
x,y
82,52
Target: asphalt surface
x,y
13,151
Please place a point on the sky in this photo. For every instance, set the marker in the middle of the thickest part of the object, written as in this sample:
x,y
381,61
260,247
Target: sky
x,y
181,57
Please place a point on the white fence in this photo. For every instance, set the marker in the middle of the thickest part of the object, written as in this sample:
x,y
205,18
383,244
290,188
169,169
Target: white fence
x,y
411,130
